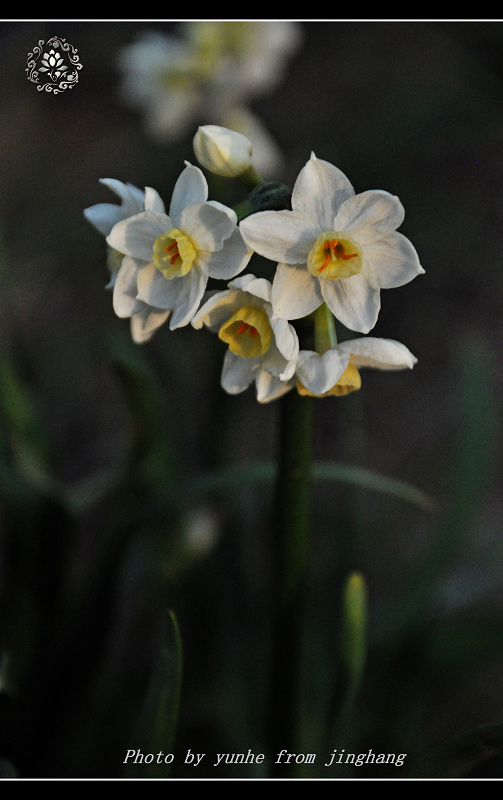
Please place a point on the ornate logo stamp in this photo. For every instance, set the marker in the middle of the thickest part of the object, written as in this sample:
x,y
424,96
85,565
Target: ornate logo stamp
x,y
54,66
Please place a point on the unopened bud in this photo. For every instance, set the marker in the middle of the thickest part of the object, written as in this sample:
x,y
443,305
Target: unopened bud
x,y
222,151
270,196
265,197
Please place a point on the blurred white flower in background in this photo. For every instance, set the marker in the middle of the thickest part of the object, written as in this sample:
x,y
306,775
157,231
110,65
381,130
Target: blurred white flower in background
x,y
209,71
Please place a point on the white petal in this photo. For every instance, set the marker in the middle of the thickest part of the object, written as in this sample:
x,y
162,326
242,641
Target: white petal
x,y
270,388
128,193
131,197
319,373
228,262
190,188
208,225
276,364
229,211
393,259
156,290
319,191
355,301
218,308
286,338
259,287
374,208
146,322
153,201
191,290
111,282
280,235
125,302
137,197
103,216
136,236
295,292
384,354
238,373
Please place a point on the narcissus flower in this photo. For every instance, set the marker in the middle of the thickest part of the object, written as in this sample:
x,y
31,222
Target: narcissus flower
x,y
103,216
260,348
336,372
171,256
145,319
334,246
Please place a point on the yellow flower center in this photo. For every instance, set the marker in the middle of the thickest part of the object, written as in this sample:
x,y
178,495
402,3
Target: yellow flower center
x,y
334,255
248,332
174,253
349,381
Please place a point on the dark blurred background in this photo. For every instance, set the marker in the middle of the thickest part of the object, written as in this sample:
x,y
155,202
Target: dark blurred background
x,y
98,436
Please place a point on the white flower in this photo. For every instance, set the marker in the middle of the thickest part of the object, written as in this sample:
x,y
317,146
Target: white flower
x,y
145,319
261,349
103,216
335,372
222,151
171,256
334,247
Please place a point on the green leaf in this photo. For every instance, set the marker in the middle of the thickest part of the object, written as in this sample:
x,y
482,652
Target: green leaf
x,y
323,471
159,715
457,757
367,479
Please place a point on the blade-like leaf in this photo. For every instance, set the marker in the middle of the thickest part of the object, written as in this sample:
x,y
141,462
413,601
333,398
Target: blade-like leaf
x,y
159,715
322,471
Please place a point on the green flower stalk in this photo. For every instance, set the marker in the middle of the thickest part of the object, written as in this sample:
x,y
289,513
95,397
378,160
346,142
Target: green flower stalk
x,y
291,560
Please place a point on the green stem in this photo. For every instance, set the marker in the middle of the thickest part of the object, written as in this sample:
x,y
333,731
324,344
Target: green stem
x,y
250,178
325,337
243,210
291,564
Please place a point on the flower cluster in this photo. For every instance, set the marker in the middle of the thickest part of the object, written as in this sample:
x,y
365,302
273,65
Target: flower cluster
x,y
333,250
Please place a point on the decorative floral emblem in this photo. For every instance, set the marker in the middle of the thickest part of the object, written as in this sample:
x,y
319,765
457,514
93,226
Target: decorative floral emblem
x,y
54,65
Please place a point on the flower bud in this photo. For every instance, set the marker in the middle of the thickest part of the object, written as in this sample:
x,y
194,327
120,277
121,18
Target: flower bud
x,y
222,151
